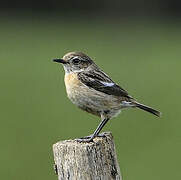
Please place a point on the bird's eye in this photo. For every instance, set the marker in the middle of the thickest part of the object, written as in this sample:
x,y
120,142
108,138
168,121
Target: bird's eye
x,y
76,61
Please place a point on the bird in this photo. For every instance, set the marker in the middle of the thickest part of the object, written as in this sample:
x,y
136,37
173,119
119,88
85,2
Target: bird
x,y
93,91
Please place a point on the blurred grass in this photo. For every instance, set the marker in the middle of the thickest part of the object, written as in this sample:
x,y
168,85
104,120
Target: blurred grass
x,y
143,57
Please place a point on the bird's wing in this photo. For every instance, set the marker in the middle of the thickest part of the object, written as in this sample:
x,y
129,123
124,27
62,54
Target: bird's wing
x,y
101,82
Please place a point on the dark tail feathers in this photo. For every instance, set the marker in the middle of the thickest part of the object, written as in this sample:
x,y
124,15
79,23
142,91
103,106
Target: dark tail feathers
x,y
148,109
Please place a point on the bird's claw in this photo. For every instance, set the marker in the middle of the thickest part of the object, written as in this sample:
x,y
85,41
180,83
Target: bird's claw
x,y
86,140
89,138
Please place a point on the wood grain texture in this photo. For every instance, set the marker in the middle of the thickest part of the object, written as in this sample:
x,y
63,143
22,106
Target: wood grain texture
x,y
87,161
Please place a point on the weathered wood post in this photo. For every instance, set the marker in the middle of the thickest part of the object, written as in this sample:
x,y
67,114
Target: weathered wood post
x,y
87,161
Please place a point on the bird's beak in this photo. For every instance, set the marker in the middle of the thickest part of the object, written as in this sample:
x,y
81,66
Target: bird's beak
x,y
60,61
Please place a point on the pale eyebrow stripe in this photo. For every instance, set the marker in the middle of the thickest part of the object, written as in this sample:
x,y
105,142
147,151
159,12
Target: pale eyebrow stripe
x,y
108,84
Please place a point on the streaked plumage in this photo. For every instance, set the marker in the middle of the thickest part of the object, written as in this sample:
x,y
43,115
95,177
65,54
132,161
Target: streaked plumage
x,y
93,91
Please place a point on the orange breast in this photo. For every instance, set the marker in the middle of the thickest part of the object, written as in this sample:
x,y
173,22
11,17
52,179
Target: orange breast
x,y
72,84
71,80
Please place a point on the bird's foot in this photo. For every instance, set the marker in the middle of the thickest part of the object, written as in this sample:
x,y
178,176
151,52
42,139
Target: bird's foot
x,y
89,138
86,140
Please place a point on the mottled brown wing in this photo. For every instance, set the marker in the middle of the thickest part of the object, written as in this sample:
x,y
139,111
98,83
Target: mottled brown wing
x,y
101,82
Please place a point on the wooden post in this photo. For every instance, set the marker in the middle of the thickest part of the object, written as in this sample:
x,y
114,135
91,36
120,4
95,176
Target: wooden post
x,y
87,161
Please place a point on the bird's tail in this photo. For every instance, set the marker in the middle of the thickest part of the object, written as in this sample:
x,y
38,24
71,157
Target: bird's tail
x,y
148,109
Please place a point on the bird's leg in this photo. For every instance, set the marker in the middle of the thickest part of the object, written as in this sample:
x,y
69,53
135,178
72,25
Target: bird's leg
x,y
96,132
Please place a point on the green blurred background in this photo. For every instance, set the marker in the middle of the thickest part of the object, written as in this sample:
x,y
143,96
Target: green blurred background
x,y
140,54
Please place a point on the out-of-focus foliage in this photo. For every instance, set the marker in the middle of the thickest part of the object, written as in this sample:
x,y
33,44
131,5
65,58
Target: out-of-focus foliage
x,y
141,56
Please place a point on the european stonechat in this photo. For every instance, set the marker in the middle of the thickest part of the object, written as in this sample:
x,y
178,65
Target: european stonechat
x,y
94,91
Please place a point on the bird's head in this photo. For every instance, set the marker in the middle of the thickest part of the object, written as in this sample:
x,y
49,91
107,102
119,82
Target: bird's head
x,y
75,62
